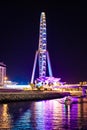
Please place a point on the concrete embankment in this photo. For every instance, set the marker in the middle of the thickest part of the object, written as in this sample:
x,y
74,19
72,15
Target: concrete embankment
x,y
30,95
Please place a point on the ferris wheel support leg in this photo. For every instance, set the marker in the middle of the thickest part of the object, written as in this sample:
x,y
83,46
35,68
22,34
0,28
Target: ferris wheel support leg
x,y
34,67
49,65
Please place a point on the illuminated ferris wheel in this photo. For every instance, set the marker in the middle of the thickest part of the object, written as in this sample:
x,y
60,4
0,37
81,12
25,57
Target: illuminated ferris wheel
x,y
42,46
42,54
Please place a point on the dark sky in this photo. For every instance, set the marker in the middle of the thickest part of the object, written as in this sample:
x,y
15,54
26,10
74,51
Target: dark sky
x,y
66,38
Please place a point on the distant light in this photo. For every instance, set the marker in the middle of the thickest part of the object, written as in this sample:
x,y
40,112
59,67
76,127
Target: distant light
x,y
18,86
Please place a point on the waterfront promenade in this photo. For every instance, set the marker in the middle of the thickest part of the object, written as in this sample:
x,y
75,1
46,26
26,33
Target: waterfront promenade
x,y
9,95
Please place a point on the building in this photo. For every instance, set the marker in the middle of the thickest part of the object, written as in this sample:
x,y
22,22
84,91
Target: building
x,y
2,73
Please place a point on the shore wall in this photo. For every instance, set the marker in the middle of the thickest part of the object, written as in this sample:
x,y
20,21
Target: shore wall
x,y
30,96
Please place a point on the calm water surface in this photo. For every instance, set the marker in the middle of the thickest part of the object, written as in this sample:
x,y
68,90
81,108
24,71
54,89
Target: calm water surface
x,y
44,115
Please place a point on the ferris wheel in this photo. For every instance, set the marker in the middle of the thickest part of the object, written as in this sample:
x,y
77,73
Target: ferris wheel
x,y
42,46
42,54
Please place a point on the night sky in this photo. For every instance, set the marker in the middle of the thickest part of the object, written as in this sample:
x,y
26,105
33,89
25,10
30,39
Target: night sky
x,y
66,38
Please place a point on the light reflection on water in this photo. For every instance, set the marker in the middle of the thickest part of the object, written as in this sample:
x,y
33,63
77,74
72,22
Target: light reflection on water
x,y
44,115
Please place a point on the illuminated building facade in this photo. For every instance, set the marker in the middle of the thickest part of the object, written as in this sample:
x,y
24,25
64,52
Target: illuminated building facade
x,y
2,73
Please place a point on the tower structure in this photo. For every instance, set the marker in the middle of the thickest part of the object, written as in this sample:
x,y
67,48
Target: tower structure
x,y
42,54
2,73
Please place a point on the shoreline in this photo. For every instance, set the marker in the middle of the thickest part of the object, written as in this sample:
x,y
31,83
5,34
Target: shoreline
x,y
32,95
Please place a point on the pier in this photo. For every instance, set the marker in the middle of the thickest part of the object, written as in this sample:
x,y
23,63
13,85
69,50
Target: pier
x,y
9,95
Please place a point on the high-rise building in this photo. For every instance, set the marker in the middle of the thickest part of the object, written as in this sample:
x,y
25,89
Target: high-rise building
x,y
2,73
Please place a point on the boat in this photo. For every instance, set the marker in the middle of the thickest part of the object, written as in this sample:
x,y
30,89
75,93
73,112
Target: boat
x,y
66,100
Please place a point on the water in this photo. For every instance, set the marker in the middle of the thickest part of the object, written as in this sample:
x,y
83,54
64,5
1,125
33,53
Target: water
x,y
44,115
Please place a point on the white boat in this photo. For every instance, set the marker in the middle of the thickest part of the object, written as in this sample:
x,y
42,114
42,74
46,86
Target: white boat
x,y
66,100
